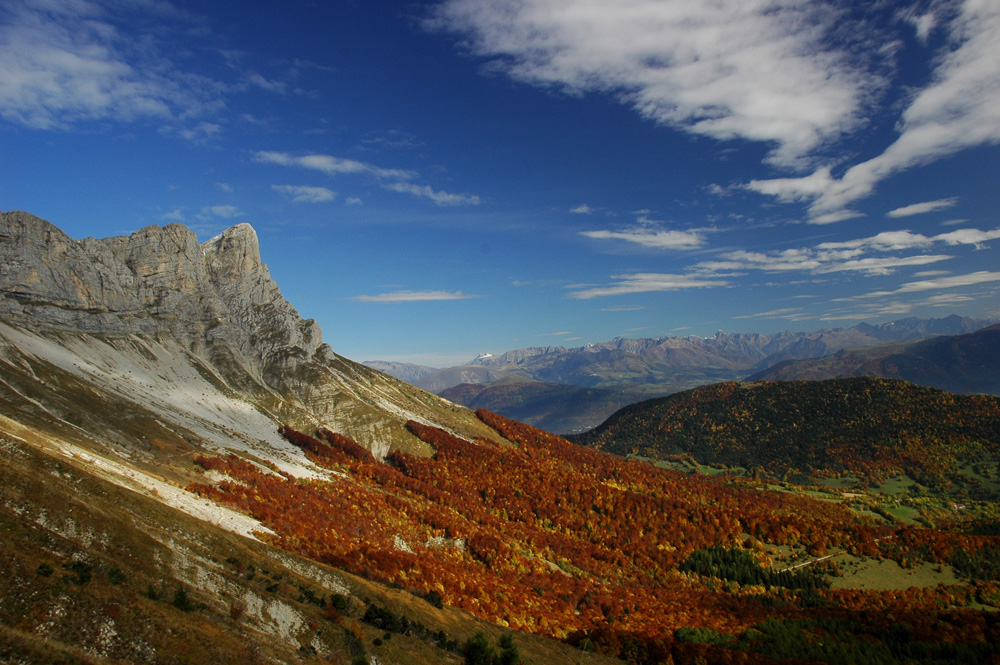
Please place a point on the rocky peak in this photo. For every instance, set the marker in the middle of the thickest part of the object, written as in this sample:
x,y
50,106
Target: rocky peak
x,y
235,253
158,279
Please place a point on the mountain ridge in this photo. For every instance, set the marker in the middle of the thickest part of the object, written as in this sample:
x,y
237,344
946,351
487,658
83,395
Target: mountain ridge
x,y
213,310
641,368
957,363
651,359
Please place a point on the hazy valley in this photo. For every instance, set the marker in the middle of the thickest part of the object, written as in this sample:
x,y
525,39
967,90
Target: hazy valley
x,y
570,390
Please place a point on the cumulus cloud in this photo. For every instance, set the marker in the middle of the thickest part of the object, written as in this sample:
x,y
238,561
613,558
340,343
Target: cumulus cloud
x,y
922,208
958,109
646,283
413,296
62,63
751,69
304,194
395,180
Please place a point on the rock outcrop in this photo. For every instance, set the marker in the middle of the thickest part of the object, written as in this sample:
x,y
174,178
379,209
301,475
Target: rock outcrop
x,y
159,279
215,304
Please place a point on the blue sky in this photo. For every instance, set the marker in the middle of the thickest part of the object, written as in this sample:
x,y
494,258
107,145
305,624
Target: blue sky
x,y
432,180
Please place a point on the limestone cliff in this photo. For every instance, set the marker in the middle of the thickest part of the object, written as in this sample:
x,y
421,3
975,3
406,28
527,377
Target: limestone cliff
x,y
212,306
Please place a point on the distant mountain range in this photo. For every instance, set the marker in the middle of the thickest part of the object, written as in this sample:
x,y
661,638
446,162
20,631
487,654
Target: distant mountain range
x,y
957,363
628,370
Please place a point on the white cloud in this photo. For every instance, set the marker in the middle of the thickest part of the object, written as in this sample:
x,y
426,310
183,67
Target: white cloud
x,y
958,109
62,63
750,69
652,238
923,24
952,282
353,201
582,209
199,133
784,313
834,217
438,197
885,241
646,283
968,237
818,262
883,265
413,296
225,186
900,240
329,164
175,215
396,180
922,208
623,308
223,212
304,194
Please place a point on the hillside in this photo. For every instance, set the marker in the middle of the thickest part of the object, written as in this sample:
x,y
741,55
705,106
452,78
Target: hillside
x,y
870,428
191,475
957,363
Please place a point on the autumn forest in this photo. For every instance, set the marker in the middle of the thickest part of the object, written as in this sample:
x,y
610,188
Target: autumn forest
x,y
537,534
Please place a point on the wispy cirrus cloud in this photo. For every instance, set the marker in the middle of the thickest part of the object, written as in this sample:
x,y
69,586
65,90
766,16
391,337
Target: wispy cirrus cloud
x,y
901,240
68,62
958,109
222,212
922,208
650,233
751,69
652,238
305,194
954,281
398,297
330,165
789,313
849,255
648,283
427,192
395,180
813,261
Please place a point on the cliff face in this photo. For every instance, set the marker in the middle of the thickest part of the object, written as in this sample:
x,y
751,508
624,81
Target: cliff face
x,y
212,306
157,280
